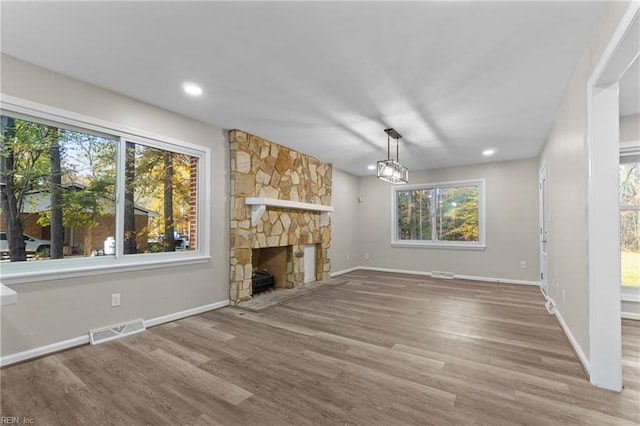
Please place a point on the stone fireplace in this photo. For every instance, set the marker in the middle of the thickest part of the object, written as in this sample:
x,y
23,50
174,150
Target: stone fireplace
x,y
280,208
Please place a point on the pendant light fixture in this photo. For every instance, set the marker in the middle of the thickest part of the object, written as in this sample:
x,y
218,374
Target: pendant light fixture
x,y
391,170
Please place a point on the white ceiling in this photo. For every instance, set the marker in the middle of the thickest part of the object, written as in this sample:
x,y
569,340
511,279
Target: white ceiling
x,y
326,78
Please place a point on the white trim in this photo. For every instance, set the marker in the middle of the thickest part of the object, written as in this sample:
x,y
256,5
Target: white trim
x,y
297,205
43,350
259,206
498,280
603,237
631,315
452,245
87,267
83,340
105,128
344,271
543,178
574,343
395,271
187,313
429,274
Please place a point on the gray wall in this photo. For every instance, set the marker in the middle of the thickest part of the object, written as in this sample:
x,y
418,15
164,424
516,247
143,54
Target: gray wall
x,y
54,311
344,250
566,157
630,128
511,225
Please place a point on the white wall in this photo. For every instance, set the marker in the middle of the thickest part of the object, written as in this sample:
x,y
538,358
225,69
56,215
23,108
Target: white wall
x,y
344,250
566,156
52,311
511,226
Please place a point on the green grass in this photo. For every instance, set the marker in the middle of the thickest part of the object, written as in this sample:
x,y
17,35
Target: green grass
x,y
630,268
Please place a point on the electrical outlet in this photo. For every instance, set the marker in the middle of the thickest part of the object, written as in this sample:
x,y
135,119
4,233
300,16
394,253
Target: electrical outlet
x,y
348,257
523,264
366,255
115,300
563,295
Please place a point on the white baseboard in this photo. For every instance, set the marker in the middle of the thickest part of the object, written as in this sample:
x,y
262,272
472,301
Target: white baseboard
x,y
630,315
574,343
183,314
43,350
395,271
344,271
498,280
83,340
461,277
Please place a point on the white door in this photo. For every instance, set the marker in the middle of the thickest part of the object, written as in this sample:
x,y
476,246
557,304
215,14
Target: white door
x,y
309,263
544,224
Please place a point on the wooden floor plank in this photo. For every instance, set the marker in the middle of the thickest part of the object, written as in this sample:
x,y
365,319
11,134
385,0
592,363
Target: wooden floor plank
x,y
376,349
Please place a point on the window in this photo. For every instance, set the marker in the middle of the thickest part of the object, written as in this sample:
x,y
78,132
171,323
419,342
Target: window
x,y
86,195
630,216
439,215
158,200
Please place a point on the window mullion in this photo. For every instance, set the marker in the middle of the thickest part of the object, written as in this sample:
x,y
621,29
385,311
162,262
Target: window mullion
x,y
120,189
433,205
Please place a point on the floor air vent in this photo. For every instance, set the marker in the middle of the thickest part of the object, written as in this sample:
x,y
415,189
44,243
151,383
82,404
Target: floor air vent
x,y
102,335
440,274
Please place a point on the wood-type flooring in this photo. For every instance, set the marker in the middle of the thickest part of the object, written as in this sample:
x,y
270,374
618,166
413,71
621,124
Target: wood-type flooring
x,y
379,349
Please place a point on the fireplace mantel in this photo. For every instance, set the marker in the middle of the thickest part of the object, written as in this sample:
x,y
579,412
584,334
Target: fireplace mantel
x,y
259,206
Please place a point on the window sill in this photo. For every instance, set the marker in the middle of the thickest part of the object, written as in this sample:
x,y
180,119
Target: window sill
x,y
450,246
21,273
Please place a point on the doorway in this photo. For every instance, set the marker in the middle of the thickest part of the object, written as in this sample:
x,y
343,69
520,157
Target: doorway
x,y
544,219
604,215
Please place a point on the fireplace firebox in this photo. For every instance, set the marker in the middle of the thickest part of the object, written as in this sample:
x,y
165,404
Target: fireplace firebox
x,y
262,281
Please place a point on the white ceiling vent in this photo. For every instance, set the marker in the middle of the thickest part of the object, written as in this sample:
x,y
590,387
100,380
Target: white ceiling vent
x,y
102,335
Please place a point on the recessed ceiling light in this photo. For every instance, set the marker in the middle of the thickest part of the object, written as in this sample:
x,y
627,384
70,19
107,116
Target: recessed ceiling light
x,y
371,167
488,152
192,89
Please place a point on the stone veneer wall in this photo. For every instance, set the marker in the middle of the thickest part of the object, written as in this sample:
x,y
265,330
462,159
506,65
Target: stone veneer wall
x,y
260,168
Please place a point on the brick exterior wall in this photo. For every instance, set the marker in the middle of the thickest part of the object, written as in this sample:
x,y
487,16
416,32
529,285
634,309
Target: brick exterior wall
x,y
193,196
105,229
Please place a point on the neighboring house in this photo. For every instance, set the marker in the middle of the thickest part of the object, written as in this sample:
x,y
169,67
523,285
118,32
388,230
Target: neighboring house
x,y
82,239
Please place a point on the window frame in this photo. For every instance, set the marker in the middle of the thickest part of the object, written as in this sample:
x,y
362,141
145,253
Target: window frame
x,y
629,149
32,271
439,244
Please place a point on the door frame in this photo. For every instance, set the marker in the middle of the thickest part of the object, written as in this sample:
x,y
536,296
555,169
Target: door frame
x,y
543,203
605,335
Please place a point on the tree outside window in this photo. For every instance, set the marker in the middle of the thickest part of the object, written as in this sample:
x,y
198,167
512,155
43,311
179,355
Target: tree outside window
x,y
58,187
438,214
630,221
